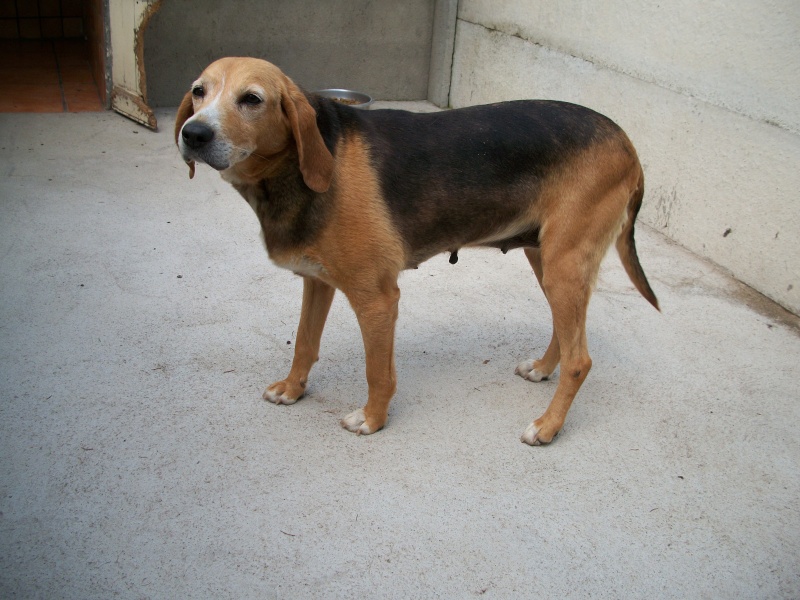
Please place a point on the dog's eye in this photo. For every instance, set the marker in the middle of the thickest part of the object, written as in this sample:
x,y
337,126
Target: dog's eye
x,y
251,99
198,91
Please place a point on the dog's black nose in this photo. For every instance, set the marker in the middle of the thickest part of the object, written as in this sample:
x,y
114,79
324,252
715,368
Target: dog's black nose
x,y
196,134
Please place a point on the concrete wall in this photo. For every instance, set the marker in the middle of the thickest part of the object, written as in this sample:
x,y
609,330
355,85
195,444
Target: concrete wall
x,y
381,47
708,92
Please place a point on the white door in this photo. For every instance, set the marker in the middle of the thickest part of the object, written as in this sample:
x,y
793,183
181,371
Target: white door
x,y
128,21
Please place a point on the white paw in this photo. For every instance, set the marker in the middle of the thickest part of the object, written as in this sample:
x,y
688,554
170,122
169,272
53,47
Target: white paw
x,y
276,398
531,435
355,422
526,371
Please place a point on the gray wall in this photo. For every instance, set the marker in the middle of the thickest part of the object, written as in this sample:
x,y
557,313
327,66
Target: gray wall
x,y
382,47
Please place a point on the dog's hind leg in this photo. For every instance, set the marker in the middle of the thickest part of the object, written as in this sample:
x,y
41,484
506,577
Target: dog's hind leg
x,y
536,370
376,311
317,299
568,293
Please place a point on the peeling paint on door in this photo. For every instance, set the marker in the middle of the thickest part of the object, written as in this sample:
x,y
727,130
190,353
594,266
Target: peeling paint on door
x,y
129,86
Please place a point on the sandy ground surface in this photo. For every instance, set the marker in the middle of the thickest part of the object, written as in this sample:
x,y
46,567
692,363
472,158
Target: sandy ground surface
x,y
140,320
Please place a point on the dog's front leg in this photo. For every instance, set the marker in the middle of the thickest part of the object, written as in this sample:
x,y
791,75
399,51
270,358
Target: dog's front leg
x,y
317,299
377,315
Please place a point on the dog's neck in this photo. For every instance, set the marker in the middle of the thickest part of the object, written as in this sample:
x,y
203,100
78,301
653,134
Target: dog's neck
x,y
258,167
290,213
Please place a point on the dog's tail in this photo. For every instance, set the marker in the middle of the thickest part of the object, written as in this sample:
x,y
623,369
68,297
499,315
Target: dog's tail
x,y
626,246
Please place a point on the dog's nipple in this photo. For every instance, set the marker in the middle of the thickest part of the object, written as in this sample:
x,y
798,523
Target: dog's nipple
x,y
454,257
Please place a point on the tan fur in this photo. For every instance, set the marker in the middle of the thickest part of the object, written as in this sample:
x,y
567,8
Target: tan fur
x,y
578,225
360,227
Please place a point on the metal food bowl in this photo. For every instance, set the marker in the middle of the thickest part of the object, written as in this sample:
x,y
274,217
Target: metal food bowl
x,y
348,97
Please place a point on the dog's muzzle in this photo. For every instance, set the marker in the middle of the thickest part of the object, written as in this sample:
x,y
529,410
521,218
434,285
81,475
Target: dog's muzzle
x,y
199,141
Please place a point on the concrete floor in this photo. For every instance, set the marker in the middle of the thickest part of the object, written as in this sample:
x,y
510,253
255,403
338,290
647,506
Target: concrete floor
x,y
140,321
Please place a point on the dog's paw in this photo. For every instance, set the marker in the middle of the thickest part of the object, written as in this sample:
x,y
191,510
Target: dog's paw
x,y
531,435
357,423
284,392
527,370
536,435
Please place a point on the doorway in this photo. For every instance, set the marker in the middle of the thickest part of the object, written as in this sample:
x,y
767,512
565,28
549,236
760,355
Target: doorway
x,y
52,56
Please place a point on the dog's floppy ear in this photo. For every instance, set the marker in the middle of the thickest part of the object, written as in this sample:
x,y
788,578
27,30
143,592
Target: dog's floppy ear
x,y
316,162
185,110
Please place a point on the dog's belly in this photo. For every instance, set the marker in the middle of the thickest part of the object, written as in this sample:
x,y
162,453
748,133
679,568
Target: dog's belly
x,y
522,235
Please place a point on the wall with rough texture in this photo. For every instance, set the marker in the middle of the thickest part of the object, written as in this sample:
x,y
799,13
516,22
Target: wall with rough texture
x,y
380,47
709,94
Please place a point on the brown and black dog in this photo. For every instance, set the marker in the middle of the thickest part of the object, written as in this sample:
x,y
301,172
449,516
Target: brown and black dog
x,y
349,198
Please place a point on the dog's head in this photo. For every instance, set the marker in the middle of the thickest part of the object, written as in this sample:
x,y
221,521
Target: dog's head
x,y
245,118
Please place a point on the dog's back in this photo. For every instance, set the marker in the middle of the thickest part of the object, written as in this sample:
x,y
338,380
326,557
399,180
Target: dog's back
x,y
478,175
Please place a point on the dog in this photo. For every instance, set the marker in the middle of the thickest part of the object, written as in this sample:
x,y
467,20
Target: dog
x,y
349,198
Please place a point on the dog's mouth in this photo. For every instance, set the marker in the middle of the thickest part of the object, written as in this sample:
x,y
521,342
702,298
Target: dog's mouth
x,y
212,160
221,160
216,155
219,156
